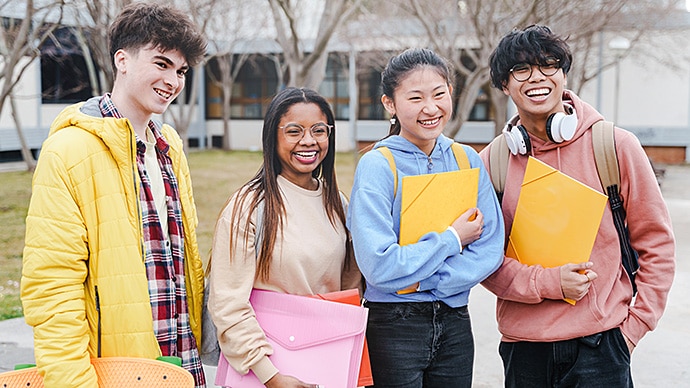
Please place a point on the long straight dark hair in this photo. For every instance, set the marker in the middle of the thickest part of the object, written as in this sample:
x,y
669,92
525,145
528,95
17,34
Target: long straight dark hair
x,y
263,187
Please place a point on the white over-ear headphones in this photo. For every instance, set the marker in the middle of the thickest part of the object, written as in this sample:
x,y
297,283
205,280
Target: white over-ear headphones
x,y
560,127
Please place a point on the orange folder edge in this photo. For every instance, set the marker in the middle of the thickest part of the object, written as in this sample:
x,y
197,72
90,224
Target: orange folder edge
x,y
352,297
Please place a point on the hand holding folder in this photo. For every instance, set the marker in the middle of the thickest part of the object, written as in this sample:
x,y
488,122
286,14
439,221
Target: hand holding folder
x,y
431,202
556,220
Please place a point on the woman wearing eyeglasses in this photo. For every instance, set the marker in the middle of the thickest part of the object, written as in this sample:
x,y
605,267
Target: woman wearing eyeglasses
x,y
293,202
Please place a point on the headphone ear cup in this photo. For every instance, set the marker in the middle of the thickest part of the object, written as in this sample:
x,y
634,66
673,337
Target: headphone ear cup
x,y
517,139
525,139
561,127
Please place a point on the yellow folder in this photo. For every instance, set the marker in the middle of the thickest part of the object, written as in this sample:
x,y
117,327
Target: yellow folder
x,y
556,220
431,202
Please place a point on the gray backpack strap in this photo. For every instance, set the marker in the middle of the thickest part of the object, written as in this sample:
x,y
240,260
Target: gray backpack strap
x,y
259,228
605,154
498,163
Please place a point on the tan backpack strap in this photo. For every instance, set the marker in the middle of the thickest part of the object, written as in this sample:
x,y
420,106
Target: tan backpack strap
x,y
391,162
605,154
460,156
498,163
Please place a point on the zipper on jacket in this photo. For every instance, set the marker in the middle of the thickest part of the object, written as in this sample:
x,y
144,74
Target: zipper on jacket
x,y
429,164
98,310
135,173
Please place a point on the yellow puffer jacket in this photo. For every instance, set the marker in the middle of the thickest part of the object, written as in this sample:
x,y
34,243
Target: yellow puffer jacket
x,y
84,287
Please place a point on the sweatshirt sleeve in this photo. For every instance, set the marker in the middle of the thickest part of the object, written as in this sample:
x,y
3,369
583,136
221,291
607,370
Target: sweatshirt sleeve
x,y
232,273
651,235
53,273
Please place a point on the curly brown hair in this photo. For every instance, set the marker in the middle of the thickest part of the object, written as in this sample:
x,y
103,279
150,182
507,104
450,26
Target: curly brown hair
x,y
162,26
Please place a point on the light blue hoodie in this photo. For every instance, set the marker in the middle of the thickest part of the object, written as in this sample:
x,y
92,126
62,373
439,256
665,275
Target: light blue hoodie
x,y
436,261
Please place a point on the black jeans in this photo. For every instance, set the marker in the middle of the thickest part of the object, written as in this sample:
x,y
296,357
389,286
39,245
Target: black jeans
x,y
598,360
424,344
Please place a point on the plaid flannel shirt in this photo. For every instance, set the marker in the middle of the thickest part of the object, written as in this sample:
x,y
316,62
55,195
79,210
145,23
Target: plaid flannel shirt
x,y
164,256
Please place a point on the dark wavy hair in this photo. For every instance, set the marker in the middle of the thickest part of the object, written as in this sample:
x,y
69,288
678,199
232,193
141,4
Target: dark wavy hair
x,y
263,187
163,26
401,65
530,45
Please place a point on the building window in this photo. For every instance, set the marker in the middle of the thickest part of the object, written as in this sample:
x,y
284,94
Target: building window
x,y
64,75
370,107
256,84
334,87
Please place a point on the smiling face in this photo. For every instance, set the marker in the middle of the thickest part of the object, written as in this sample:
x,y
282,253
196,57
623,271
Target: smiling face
x,y
298,160
537,97
148,80
422,104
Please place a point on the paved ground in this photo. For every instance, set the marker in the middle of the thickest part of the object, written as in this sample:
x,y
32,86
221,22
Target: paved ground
x,y
660,360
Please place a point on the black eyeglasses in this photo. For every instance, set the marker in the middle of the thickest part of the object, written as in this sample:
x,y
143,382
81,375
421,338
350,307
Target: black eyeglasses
x,y
523,71
294,132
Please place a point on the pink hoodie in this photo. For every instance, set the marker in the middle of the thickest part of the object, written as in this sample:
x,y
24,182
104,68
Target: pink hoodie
x,y
530,305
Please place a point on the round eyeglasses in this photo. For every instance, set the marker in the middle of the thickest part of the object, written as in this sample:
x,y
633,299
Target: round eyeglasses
x,y
523,71
294,132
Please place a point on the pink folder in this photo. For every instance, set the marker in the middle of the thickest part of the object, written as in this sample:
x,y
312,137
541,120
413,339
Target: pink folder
x,y
315,340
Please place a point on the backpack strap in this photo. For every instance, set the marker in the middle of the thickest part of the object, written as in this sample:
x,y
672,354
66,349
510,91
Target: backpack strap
x,y
259,227
498,163
459,153
460,156
606,160
391,162
605,154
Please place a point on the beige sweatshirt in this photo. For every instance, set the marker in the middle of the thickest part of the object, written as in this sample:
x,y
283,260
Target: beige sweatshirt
x,y
309,259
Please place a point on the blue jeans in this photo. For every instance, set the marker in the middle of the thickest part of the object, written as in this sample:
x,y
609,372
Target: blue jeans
x,y
597,360
420,344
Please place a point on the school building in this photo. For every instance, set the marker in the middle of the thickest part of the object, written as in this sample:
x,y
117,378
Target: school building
x,y
647,96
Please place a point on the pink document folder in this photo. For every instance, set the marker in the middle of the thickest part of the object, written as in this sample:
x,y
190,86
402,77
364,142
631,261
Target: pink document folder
x,y
315,340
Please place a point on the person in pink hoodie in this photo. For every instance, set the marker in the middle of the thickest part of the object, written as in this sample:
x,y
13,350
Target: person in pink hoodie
x,y
547,342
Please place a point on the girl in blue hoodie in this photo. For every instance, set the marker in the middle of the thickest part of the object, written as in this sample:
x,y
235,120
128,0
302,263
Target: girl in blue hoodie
x,y
421,337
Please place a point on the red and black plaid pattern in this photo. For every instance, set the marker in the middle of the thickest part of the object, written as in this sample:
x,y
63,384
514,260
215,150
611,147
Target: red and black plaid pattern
x,y
164,256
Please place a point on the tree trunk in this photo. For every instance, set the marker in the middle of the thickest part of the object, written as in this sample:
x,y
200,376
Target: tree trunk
x,y
26,151
500,103
227,93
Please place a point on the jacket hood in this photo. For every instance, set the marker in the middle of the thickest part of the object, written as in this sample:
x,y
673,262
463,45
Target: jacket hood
x,y
410,153
87,116
586,117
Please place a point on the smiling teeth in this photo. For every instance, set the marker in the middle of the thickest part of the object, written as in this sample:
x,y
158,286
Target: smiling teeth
x,y
535,92
308,154
163,94
430,122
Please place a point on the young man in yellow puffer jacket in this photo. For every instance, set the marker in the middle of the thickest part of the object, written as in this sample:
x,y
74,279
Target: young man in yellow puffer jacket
x,y
111,264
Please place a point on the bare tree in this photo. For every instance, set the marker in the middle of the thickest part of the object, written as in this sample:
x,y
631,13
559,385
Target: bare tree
x,y
468,31
306,63
93,18
19,43
229,47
